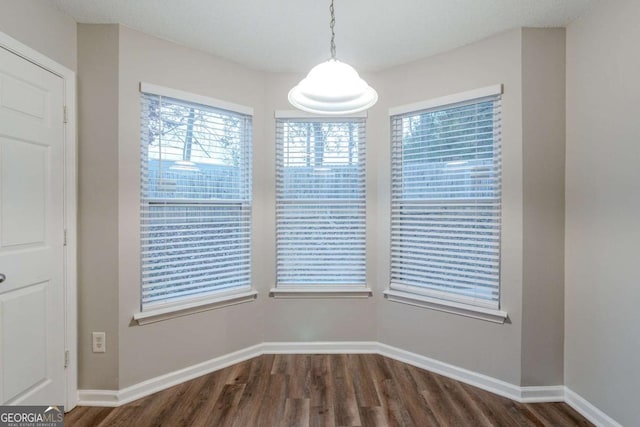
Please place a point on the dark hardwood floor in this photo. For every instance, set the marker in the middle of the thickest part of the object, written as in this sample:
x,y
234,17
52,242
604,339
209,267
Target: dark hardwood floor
x,y
325,390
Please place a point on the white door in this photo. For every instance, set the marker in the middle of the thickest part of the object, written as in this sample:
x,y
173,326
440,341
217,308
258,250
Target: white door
x,y
31,234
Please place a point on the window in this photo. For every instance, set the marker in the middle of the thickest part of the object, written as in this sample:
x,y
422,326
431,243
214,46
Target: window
x,y
195,198
446,200
320,204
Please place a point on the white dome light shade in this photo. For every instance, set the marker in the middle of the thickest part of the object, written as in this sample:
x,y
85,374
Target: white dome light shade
x,y
333,88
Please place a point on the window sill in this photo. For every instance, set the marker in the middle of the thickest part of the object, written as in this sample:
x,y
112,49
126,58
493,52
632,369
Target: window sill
x,y
495,316
195,306
320,292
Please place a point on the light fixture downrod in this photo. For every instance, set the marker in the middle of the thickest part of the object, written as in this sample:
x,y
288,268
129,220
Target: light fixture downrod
x,y
332,24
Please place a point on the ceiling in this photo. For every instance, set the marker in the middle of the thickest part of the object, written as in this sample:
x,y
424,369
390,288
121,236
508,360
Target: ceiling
x,y
293,35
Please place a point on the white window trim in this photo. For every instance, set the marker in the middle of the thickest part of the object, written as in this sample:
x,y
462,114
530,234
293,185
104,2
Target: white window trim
x,y
442,101
298,114
495,316
424,301
320,291
169,311
311,290
195,98
165,311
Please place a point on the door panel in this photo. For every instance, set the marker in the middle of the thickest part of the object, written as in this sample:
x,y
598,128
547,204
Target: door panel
x,y
24,193
24,352
31,233
23,97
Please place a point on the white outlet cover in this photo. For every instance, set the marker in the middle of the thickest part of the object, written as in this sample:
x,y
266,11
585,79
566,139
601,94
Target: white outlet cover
x,y
99,342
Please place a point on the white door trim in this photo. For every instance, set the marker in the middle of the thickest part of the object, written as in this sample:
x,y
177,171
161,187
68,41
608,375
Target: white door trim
x,y
70,207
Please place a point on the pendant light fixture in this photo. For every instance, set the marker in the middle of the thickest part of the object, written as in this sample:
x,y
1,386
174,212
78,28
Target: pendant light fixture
x,y
333,87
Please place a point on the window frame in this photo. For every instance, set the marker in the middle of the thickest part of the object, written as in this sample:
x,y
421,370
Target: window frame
x,y
411,295
318,290
163,310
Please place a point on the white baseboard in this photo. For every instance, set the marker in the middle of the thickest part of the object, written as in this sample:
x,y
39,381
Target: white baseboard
x,y
107,398
587,410
552,393
162,382
485,382
557,393
321,347
460,374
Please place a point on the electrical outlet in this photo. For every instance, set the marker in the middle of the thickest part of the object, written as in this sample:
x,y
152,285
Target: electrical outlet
x,y
99,342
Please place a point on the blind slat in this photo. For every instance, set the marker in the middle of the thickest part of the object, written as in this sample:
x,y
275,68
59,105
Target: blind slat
x,y
320,202
195,224
445,202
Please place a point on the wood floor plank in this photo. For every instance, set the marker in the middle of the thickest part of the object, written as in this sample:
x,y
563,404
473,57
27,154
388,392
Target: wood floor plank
x,y
248,411
554,414
272,404
185,407
575,417
467,414
434,394
322,390
415,404
345,405
296,413
120,417
283,364
156,411
506,411
473,405
393,405
299,377
377,367
321,416
380,373
373,416
206,396
363,384
391,400
239,373
225,408
90,417
492,407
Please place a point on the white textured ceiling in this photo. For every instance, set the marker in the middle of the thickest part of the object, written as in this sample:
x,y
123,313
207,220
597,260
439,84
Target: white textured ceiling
x,y
293,35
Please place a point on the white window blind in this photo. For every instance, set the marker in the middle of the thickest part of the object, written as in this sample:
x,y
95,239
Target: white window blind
x,y
195,200
446,202
320,202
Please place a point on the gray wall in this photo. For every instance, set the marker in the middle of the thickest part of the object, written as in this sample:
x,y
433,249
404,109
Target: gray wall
x,y
603,209
543,132
602,205
480,346
41,26
326,319
131,57
530,64
97,203
113,61
154,349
